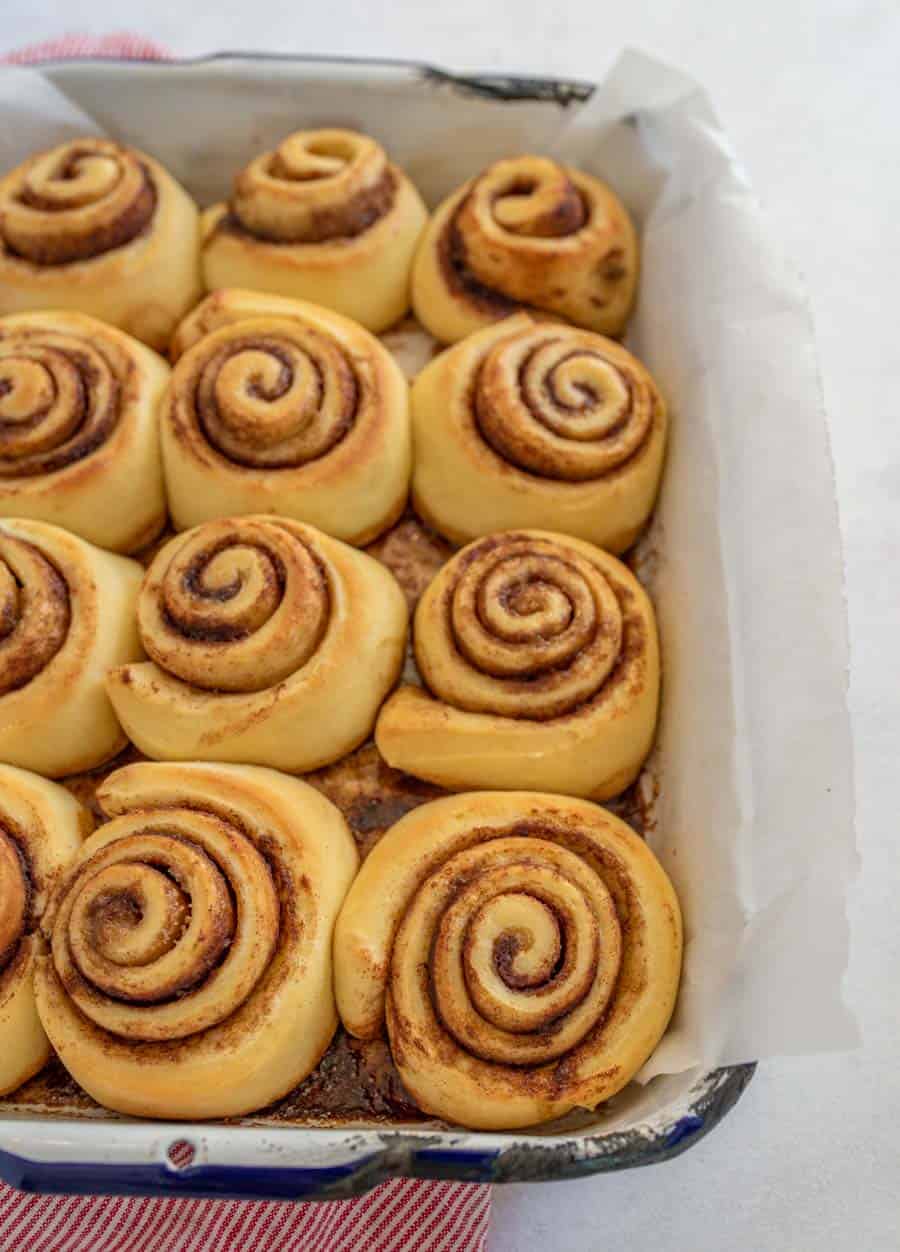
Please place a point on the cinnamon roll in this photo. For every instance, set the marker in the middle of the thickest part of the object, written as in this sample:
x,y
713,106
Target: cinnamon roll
x,y
533,424
269,643
278,406
41,830
99,228
189,972
67,613
79,432
526,233
524,951
541,662
325,217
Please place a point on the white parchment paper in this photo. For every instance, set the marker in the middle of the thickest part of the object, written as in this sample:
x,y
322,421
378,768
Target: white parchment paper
x,y
756,805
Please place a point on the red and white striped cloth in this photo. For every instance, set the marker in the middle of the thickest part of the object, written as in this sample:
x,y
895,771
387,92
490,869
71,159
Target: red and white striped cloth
x,y
404,1215
134,47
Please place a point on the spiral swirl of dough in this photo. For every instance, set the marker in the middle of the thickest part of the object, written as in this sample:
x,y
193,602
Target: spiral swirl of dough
x,y
526,233
269,643
35,612
282,407
536,424
100,228
41,829
79,433
67,613
190,964
76,201
319,184
540,658
324,217
275,397
533,630
524,950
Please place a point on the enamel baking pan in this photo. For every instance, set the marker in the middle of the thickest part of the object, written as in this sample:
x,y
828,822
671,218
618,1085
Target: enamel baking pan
x,y
102,1154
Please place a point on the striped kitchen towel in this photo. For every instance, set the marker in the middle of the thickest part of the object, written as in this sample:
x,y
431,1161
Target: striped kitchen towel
x,y
403,1215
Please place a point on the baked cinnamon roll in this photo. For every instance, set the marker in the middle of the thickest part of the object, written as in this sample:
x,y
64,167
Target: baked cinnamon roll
x,y
79,428
533,424
269,643
276,406
325,217
67,613
99,228
541,664
526,233
189,972
41,831
523,950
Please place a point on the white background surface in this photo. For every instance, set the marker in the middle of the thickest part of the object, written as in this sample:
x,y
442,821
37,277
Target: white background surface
x,y
810,95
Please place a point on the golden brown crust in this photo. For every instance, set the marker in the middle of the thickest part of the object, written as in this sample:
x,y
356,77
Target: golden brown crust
x,y
68,614
541,661
527,233
523,949
279,406
79,433
35,612
537,424
41,829
294,195
190,966
269,642
323,217
77,201
99,227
